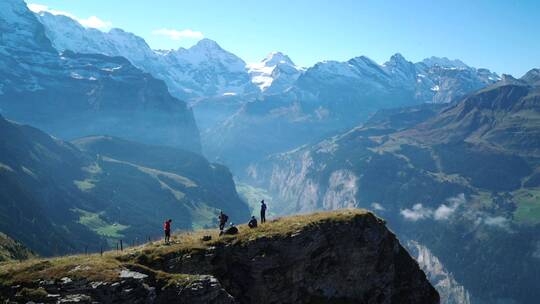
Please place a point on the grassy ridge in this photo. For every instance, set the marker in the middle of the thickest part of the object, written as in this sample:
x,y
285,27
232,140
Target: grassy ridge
x,y
95,267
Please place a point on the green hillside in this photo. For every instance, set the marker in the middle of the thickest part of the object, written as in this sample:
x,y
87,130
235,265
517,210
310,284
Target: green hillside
x,y
58,197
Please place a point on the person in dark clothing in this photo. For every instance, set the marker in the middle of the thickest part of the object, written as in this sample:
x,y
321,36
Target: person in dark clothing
x,y
263,212
253,222
167,230
231,230
223,218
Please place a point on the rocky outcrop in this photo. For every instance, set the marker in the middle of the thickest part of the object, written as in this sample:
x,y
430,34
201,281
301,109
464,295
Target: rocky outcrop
x,y
131,287
348,256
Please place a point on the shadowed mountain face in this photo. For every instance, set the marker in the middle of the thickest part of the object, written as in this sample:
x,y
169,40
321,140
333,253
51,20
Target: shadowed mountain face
x,y
460,179
72,95
58,197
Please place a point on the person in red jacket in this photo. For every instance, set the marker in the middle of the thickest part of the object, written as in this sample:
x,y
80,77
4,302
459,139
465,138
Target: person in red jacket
x,y
167,230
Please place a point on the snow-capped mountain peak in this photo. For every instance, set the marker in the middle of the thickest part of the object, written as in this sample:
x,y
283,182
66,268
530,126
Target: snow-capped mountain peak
x,y
207,52
19,28
275,65
276,58
396,59
67,34
207,44
444,62
204,69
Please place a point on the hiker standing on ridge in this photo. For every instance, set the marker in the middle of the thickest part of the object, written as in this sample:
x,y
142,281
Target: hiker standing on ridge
x,y
263,212
223,218
167,230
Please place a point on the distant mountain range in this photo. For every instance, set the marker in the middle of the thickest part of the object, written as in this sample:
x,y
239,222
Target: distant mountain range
x,y
207,70
237,104
334,96
204,70
72,94
462,179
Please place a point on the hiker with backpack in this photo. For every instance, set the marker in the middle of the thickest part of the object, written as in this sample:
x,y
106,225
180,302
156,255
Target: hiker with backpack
x,y
223,218
253,222
263,212
167,230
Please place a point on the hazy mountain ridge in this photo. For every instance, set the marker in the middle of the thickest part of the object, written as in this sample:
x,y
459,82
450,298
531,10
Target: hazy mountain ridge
x,y
467,171
237,105
72,95
62,198
188,71
334,96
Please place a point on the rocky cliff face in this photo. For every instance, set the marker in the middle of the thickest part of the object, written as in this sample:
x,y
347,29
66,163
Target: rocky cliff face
x,y
340,257
449,289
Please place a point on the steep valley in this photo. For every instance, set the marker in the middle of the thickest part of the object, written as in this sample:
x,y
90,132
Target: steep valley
x,y
459,179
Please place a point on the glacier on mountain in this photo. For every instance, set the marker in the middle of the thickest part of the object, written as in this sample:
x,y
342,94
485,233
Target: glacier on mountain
x,y
277,68
203,70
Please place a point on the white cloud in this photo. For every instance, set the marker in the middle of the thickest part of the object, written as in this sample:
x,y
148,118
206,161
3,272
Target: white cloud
x,y
91,21
36,8
458,199
497,221
95,22
443,212
418,212
377,206
177,35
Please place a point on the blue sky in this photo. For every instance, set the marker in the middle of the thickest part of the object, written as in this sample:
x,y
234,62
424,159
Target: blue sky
x,y
502,35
